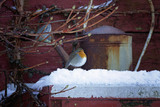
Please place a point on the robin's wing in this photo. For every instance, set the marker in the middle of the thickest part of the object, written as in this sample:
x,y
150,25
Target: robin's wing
x,y
72,55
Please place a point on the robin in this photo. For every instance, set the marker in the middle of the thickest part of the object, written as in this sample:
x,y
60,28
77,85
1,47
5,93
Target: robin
x,y
77,58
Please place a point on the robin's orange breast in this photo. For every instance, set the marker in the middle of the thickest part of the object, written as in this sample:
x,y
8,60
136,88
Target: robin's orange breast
x,y
82,54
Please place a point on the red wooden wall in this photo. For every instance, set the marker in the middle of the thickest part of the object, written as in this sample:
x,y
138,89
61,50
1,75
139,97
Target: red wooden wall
x,y
133,16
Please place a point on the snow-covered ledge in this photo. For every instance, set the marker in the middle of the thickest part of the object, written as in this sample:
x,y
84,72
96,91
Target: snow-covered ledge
x,y
101,83
101,91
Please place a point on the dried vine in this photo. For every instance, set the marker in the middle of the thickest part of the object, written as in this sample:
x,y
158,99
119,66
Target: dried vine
x,y
149,34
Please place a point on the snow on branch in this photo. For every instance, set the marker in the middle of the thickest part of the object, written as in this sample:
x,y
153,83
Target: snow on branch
x,y
105,4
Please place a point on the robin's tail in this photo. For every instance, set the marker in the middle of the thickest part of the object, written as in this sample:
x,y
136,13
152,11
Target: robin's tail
x,y
67,65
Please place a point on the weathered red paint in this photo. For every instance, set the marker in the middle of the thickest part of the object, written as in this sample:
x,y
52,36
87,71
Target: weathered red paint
x,y
152,52
105,102
98,102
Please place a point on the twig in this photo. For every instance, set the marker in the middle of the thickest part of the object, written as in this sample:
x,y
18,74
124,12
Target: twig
x,y
94,23
22,85
34,66
39,13
38,102
63,90
47,44
5,74
65,31
56,21
18,36
81,19
87,12
53,32
2,2
40,35
70,30
103,18
7,102
75,11
149,35
78,38
70,14
8,42
66,22
53,43
57,40
31,34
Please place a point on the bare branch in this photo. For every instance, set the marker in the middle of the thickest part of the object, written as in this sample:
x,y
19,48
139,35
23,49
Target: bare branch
x,y
149,35
2,2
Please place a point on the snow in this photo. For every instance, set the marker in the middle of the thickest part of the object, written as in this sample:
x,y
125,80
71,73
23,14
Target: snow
x,y
105,4
11,88
99,77
9,92
13,7
101,83
39,10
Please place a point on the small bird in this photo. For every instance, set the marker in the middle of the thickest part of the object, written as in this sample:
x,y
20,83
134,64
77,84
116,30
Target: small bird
x,y
77,58
44,29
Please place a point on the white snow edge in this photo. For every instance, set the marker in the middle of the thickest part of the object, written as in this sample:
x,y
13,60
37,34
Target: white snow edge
x,y
103,83
11,88
100,77
100,83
